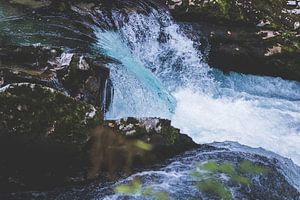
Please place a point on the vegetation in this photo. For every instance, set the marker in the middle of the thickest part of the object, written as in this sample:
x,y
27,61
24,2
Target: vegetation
x,y
36,111
135,188
257,37
208,181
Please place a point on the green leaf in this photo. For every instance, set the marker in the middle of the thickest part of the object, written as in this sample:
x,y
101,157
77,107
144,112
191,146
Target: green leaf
x,y
143,145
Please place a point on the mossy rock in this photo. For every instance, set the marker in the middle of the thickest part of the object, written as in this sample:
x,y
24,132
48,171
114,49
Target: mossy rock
x,y
274,13
49,140
166,141
44,137
42,112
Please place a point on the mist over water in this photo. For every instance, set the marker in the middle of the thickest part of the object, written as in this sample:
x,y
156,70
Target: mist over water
x,y
162,73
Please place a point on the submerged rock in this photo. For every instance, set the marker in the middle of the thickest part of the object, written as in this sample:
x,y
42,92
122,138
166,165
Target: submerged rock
x,y
220,171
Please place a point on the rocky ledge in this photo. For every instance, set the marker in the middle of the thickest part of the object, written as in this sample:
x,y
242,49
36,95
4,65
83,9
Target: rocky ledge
x,y
257,37
78,75
49,139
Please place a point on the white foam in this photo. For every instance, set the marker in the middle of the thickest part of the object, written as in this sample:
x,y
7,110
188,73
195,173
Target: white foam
x,y
253,110
246,120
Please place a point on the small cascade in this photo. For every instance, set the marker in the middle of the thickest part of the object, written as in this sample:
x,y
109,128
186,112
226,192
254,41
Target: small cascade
x,y
161,72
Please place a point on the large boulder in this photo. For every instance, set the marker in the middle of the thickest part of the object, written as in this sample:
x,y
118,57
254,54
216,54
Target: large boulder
x,y
165,140
44,135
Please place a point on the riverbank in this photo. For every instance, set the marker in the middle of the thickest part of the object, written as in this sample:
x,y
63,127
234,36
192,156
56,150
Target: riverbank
x,y
251,37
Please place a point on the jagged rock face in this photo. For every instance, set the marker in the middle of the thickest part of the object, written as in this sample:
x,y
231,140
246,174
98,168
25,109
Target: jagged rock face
x,y
80,76
257,37
247,50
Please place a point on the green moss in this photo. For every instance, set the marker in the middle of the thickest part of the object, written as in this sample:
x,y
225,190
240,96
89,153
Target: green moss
x,y
210,166
40,112
249,167
227,168
249,12
237,174
213,166
170,133
150,192
132,188
197,175
135,187
240,180
213,187
222,4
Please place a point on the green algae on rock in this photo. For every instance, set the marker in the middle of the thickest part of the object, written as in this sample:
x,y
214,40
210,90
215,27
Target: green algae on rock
x,y
43,112
44,135
256,37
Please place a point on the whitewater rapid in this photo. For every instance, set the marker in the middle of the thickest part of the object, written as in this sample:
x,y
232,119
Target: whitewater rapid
x,y
254,121
162,73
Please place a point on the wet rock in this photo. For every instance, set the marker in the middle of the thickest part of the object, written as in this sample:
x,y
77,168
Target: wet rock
x,y
48,139
275,14
44,136
247,36
165,139
78,75
87,79
27,64
251,51
31,3
220,171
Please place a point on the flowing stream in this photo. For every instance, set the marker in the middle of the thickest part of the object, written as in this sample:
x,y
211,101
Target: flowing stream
x,y
162,73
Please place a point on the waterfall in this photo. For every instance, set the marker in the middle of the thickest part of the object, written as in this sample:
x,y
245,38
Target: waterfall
x,y
161,72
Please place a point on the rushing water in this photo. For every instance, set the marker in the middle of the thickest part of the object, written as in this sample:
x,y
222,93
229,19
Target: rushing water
x,y
175,180
159,61
161,72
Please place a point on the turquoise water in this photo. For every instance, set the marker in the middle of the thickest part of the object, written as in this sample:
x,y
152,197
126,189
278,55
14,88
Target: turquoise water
x,y
162,73
113,46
